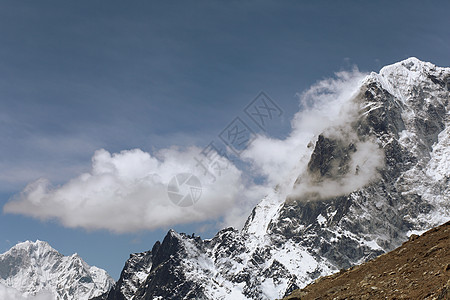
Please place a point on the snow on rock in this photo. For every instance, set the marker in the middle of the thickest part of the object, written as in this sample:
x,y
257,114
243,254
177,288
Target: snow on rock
x,y
35,268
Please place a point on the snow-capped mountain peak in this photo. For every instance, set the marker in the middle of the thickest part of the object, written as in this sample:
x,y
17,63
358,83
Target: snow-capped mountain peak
x,y
402,78
32,247
33,267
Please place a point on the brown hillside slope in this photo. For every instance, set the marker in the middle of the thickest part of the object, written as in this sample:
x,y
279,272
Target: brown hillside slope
x,y
419,269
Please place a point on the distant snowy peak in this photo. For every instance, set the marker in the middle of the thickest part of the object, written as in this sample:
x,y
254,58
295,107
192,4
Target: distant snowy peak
x,y
33,267
32,246
29,251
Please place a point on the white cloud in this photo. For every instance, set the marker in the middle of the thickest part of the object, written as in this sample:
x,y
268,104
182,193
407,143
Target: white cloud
x,y
326,105
9,293
127,191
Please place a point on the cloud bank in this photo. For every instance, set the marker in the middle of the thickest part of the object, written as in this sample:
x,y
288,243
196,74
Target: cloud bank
x,y
9,293
127,191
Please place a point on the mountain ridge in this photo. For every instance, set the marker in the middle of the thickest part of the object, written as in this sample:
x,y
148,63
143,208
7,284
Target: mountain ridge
x,y
34,267
369,182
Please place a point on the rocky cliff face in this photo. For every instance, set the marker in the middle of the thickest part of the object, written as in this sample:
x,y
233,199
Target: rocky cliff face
x,y
33,267
370,182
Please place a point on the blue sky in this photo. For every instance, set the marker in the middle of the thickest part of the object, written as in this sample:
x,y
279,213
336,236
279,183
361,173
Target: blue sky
x,y
79,76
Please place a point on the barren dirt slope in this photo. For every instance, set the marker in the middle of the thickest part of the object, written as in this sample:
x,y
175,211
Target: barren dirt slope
x,y
419,269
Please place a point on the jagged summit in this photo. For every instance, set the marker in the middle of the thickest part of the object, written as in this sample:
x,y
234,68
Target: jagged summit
x,y
411,63
30,246
34,267
371,180
408,73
